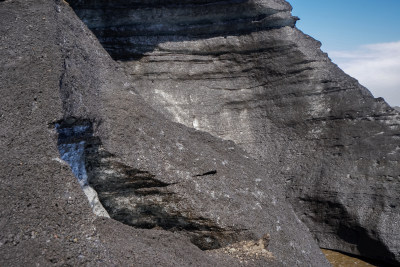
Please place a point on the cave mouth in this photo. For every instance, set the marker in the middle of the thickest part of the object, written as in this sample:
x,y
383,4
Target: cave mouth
x,y
132,196
339,258
336,219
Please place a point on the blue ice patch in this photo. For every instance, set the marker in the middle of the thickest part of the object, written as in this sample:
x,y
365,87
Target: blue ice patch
x,y
71,145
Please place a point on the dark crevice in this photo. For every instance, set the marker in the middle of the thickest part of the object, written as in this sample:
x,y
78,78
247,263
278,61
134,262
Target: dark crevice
x,y
132,196
207,173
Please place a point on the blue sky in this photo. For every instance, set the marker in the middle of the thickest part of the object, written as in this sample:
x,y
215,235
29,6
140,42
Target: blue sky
x,y
361,36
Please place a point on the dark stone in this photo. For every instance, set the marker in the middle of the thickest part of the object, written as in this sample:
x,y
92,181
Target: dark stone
x,y
55,71
241,71
236,69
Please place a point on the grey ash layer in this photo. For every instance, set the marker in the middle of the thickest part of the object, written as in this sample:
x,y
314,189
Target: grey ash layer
x,y
239,70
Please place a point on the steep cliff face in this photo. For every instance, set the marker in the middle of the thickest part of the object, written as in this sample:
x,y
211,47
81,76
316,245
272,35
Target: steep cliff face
x,y
240,70
185,197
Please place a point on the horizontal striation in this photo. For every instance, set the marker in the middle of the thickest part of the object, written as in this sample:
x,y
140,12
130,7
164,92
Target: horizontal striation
x,y
131,28
241,71
281,99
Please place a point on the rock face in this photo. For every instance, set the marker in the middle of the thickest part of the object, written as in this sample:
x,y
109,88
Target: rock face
x,y
241,71
183,195
302,131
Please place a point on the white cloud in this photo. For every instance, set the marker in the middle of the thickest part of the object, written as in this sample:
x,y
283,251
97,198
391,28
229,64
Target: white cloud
x,y
376,66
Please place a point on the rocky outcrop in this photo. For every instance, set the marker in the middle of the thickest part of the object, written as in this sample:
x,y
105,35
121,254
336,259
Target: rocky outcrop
x,y
177,190
241,71
129,29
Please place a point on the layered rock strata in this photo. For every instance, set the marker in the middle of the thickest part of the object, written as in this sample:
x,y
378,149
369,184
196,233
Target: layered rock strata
x,y
240,70
149,172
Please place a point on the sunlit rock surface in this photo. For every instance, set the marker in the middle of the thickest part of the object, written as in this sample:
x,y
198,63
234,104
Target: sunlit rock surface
x,y
177,191
238,70
241,71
